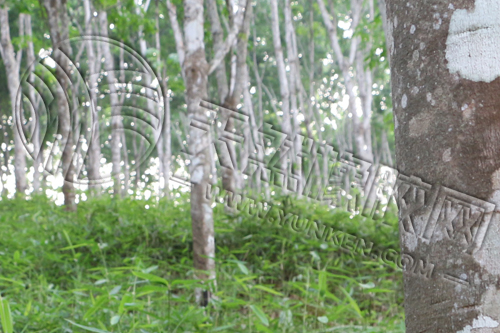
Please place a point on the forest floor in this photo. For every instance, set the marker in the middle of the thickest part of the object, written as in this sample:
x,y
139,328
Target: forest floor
x,y
126,266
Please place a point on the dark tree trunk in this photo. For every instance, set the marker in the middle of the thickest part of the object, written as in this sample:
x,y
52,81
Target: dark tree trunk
x,y
445,69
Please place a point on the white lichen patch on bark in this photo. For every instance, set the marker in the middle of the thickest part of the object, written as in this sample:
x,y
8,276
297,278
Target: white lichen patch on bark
x,y
447,155
404,101
468,111
495,180
419,125
489,253
474,41
480,322
491,299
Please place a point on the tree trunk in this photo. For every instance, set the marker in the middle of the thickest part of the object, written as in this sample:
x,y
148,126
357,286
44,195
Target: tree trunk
x,y
165,149
30,58
196,72
345,62
445,83
12,62
228,169
94,149
286,126
57,17
116,123
166,138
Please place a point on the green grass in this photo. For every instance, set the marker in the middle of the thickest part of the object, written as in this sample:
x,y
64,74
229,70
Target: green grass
x,y
115,266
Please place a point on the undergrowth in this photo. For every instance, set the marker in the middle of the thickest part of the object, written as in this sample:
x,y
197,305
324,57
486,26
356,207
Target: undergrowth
x,y
126,266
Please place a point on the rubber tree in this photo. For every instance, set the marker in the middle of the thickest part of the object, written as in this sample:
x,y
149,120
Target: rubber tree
x,y
58,22
445,80
12,61
94,152
190,46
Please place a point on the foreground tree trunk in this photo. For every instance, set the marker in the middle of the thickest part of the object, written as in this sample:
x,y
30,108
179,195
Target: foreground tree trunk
x,y
196,72
445,83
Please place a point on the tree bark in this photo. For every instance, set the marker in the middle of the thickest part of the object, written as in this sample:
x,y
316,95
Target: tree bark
x,y
30,58
58,21
12,63
164,141
116,123
345,62
445,83
196,72
286,126
94,149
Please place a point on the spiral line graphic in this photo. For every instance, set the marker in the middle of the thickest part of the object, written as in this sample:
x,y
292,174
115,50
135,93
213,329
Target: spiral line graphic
x,y
138,106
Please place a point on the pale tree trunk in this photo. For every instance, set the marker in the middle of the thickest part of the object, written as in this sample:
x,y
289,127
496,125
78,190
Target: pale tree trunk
x,y
30,58
125,152
445,83
345,62
237,85
388,33
228,169
298,91
250,142
363,130
293,61
164,141
176,29
386,157
322,172
12,63
196,72
166,138
365,81
58,21
255,122
116,123
218,38
94,149
286,126
230,94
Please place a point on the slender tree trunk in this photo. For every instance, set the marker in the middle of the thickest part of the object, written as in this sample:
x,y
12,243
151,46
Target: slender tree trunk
x,y
12,63
293,61
226,160
163,147
116,123
59,33
445,83
387,29
286,126
94,149
237,86
196,71
218,38
257,121
345,62
30,58
167,139
365,81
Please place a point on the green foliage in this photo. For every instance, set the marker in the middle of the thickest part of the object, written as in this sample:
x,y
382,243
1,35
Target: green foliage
x,y
126,266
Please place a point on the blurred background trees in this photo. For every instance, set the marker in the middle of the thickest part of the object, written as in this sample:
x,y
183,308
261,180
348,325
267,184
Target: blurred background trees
x,y
316,71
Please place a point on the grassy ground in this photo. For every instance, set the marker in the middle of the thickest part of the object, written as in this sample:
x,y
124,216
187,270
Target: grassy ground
x,y
126,266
